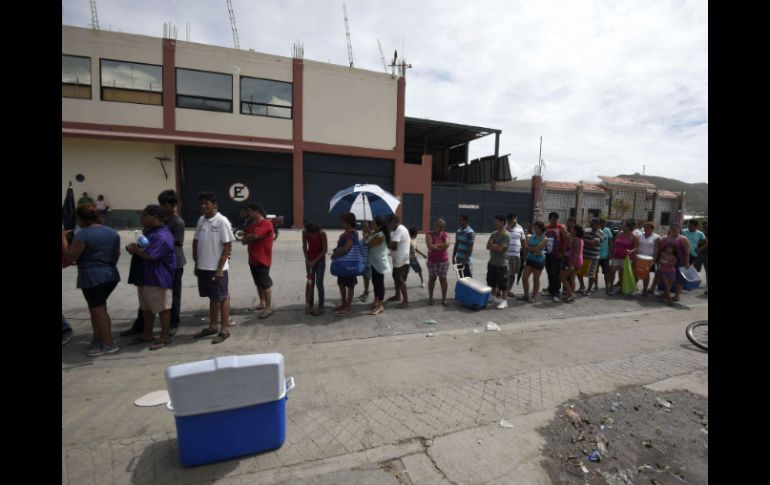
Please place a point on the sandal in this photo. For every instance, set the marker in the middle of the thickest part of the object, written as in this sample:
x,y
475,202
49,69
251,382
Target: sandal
x,y
140,340
159,344
221,337
377,311
444,302
342,313
364,296
265,314
206,332
524,298
317,312
430,302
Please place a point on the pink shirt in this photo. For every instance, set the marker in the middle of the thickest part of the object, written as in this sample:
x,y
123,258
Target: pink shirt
x,y
576,257
440,255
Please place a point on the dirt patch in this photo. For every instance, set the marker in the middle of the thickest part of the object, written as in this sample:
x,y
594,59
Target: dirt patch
x,y
630,436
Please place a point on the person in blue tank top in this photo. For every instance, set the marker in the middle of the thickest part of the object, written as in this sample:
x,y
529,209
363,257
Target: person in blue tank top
x,y
535,261
96,249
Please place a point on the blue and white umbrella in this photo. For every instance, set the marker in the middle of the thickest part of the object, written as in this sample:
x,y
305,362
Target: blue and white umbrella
x,y
365,201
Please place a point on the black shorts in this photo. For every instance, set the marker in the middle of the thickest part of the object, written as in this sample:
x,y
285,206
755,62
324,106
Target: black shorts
x,y
400,274
534,264
693,259
96,296
208,287
604,264
261,276
347,281
564,264
497,276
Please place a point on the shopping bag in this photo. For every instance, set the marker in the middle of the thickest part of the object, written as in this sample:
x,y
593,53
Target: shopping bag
x,y
583,270
629,280
353,263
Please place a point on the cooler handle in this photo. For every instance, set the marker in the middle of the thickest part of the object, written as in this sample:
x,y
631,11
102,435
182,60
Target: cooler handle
x,y
457,269
170,406
289,385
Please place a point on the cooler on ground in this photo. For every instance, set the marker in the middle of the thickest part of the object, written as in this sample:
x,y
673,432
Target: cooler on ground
x,y
471,293
229,406
688,277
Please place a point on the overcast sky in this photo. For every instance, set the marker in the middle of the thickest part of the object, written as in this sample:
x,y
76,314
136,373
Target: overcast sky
x,y
610,85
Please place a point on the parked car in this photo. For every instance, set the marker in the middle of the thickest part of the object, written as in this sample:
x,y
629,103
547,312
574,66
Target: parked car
x,y
615,227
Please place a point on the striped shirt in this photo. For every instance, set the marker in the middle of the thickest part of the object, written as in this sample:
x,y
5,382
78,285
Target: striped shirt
x,y
465,237
592,252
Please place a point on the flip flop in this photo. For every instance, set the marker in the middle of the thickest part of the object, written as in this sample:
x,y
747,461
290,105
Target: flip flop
x,y
221,337
206,332
393,298
264,315
159,344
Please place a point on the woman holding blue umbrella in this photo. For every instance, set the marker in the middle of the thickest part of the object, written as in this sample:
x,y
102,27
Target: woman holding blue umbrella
x,y
377,242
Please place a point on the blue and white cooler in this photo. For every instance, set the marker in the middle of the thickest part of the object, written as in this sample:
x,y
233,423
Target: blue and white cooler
x,y
229,406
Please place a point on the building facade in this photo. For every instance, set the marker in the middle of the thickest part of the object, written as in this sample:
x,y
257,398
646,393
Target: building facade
x,y
143,114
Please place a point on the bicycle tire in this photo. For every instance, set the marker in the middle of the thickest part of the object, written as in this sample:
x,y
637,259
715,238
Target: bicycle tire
x,y
691,336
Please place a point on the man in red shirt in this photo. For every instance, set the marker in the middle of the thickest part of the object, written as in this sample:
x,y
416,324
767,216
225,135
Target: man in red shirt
x,y
558,234
259,237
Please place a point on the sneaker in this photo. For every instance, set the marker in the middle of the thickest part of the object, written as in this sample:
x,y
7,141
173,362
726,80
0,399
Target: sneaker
x,y
102,349
232,323
556,299
65,339
172,330
496,300
503,304
422,284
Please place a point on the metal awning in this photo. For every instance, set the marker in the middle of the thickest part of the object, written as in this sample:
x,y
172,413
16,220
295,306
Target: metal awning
x,y
442,135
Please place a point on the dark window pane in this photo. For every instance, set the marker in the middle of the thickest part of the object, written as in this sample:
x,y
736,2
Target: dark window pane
x,y
208,104
204,84
129,75
75,70
265,91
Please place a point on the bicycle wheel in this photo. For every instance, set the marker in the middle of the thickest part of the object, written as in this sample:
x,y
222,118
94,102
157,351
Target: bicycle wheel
x,y
698,333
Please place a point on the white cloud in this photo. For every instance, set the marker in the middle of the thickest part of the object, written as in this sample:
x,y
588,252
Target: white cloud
x,y
610,85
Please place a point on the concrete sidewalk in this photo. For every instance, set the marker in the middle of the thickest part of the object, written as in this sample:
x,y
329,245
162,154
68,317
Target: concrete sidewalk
x,y
364,409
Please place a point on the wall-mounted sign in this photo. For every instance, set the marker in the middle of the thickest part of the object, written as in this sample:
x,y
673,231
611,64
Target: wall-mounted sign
x,y
469,206
238,192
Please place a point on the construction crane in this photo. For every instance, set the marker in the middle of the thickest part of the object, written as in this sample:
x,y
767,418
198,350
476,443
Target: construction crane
x,y
347,34
232,24
94,15
382,56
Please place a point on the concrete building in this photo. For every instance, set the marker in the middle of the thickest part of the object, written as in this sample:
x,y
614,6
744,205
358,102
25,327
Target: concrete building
x,y
613,198
143,114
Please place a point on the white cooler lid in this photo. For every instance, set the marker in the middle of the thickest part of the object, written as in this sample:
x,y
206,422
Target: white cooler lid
x,y
225,383
475,284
